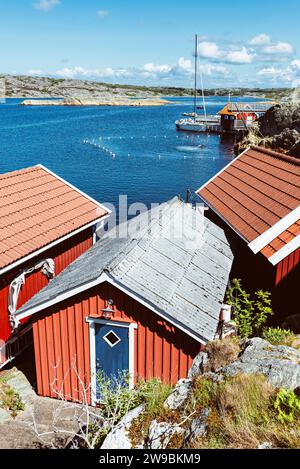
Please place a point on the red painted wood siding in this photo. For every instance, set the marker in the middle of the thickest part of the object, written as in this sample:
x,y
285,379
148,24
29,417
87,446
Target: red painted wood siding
x,y
286,266
62,254
61,340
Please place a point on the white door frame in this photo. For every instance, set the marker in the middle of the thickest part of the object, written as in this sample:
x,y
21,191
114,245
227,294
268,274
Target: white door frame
x,y
92,327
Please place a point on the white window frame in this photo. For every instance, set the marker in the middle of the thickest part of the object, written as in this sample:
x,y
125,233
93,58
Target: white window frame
x,y
92,326
107,340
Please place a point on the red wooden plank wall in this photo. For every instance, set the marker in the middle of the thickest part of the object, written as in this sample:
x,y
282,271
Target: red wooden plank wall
x,y
286,266
62,351
63,254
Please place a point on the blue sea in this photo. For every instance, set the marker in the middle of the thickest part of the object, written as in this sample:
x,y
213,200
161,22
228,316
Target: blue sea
x,y
109,151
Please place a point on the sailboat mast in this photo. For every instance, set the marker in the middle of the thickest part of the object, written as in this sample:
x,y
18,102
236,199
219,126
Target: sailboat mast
x,y
196,70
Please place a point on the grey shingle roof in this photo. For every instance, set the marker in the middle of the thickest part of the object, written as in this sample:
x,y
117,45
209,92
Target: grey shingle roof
x,y
252,107
171,258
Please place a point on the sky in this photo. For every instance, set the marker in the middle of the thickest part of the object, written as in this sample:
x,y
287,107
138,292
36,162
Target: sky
x,y
150,42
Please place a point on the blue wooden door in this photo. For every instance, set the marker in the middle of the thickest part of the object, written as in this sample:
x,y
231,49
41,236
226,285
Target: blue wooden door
x,y
112,350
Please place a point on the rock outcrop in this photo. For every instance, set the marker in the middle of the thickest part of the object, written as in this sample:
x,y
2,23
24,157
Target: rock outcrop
x,y
179,396
44,422
118,438
279,118
278,129
161,433
198,365
295,150
279,364
197,428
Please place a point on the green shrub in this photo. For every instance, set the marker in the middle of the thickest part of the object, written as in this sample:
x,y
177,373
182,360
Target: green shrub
x,y
153,393
10,400
116,397
250,314
287,405
204,392
278,336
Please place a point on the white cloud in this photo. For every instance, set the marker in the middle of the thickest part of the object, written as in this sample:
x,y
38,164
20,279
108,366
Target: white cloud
x,y
209,50
181,73
295,64
46,5
242,56
280,48
260,40
260,48
271,72
210,69
80,72
35,72
283,76
185,65
102,13
152,68
212,51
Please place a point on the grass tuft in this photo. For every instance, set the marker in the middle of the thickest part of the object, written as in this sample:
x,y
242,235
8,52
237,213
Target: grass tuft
x,y
222,352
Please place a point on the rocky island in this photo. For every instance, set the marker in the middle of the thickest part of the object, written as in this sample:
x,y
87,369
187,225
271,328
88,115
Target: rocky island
x,y
40,91
108,101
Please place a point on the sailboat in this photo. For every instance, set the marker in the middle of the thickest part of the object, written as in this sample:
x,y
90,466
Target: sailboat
x,y
197,123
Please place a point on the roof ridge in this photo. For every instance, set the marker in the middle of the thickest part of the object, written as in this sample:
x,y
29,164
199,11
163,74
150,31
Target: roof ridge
x,y
18,172
275,154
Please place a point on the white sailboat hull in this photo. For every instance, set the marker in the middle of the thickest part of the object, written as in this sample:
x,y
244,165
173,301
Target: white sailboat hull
x,y
191,127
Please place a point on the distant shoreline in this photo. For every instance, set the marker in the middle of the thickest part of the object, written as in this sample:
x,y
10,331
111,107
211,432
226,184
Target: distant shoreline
x,y
97,102
29,87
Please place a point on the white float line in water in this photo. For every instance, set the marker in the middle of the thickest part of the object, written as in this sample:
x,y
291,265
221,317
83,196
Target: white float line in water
x,y
159,155
148,137
99,147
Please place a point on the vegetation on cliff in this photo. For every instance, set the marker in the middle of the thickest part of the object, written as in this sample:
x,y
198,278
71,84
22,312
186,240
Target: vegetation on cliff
x,y
278,129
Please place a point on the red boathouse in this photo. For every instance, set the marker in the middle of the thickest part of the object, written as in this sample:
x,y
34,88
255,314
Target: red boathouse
x,y
145,299
46,223
257,195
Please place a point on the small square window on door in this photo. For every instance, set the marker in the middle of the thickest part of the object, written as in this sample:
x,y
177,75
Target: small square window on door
x,y
112,338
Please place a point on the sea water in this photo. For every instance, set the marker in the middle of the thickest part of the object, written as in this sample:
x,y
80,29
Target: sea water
x,y
110,151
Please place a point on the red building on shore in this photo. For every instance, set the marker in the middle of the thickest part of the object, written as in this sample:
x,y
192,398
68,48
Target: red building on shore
x,y
45,224
145,299
257,197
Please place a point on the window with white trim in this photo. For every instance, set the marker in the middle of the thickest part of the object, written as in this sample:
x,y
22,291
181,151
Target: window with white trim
x,y
112,338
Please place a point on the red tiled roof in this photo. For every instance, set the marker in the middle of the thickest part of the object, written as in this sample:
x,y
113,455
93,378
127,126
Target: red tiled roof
x,y
255,191
282,240
38,208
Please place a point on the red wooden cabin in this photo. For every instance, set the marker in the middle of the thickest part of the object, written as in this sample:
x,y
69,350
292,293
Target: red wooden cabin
x,y
239,116
45,224
258,196
144,299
